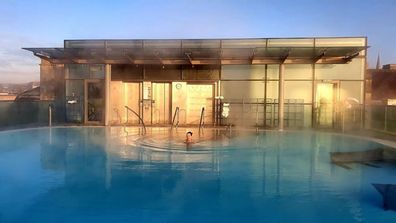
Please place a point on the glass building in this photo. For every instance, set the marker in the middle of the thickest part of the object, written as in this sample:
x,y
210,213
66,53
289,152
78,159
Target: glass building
x,y
263,82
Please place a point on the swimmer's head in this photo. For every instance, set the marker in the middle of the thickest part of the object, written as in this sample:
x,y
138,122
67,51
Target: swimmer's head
x,y
189,137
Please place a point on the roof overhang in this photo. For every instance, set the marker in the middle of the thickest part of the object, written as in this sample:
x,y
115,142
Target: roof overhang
x,y
199,56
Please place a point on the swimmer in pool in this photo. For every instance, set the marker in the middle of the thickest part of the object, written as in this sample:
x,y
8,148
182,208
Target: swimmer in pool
x,y
189,137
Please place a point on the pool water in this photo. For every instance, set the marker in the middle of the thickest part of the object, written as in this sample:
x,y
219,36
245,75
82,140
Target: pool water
x,y
97,174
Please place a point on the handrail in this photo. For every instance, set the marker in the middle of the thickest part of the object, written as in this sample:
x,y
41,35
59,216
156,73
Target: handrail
x,y
174,118
201,120
129,109
50,114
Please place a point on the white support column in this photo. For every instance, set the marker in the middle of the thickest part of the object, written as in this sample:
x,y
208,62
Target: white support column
x,y
281,89
107,93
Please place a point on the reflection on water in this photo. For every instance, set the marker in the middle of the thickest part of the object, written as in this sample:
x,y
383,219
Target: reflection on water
x,y
108,174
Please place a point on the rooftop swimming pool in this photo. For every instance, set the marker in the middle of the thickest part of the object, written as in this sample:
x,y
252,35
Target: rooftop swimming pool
x,y
98,174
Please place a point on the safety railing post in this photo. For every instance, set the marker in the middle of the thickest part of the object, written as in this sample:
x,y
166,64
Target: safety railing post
x,y
386,118
50,115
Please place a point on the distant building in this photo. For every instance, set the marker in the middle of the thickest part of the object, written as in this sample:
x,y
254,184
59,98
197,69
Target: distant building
x,y
7,97
381,85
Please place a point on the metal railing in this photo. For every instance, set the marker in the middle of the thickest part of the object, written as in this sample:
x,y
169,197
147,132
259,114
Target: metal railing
x,y
175,118
381,118
202,119
128,109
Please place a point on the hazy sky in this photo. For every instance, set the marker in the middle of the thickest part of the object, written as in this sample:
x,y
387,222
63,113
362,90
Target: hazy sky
x,y
46,23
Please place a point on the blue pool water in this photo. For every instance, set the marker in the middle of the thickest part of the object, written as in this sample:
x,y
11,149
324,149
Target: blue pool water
x,y
112,175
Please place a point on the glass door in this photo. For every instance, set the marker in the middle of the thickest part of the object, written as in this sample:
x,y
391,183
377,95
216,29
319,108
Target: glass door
x,y
161,103
325,104
94,101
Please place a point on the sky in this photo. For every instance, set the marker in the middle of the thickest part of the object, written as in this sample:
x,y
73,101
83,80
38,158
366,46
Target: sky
x,y
46,23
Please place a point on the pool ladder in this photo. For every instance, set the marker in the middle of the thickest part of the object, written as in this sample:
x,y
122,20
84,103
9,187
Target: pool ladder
x,y
128,109
202,119
175,118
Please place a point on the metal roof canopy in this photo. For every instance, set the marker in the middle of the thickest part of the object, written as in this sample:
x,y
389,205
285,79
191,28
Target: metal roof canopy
x,y
197,52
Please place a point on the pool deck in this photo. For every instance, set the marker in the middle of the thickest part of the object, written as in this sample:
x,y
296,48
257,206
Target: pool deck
x,y
379,137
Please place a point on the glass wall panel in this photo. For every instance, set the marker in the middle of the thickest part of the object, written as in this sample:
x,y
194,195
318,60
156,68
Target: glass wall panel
x,y
298,71
246,99
32,113
351,71
299,90
351,89
273,71
307,116
97,71
242,89
155,72
243,72
124,72
272,89
77,71
201,73
85,71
